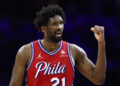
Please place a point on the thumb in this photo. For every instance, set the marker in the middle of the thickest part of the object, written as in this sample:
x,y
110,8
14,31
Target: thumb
x,y
92,29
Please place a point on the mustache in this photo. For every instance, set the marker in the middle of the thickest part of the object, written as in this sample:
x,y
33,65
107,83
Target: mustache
x,y
59,31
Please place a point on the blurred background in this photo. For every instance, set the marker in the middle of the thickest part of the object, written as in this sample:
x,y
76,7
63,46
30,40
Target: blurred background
x,y
17,29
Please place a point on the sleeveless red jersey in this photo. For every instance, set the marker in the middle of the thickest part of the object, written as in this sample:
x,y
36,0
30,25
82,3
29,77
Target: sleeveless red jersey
x,y
50,69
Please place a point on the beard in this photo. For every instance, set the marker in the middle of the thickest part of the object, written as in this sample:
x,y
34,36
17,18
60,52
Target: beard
x,y
55,39
52,36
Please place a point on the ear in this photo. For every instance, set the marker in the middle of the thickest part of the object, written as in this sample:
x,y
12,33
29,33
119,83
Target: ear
x,y
43,29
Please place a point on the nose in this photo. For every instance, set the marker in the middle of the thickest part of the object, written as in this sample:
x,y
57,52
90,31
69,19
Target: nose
x,y
60,26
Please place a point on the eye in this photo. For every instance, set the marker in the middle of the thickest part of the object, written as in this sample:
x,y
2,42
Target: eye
x,y
53,23
61,22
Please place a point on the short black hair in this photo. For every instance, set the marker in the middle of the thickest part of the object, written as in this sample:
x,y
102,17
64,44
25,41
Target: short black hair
x,y
43,15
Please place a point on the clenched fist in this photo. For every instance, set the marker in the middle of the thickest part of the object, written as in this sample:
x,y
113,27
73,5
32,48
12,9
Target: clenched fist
x,y
98,32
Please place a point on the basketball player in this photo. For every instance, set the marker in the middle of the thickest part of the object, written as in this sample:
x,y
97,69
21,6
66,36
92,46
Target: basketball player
x,y
50,61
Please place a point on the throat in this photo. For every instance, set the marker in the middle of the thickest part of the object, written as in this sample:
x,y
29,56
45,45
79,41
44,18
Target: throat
x,y
50,46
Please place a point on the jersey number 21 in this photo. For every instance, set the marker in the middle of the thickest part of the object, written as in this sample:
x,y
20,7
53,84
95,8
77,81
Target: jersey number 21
x,y
56,81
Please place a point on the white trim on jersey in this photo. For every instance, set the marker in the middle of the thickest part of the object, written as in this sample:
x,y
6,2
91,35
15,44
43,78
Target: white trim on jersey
x,y
71,60
32,47
49,52
70,56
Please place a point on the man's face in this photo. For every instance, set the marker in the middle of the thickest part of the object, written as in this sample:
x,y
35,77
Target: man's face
x,y
55,28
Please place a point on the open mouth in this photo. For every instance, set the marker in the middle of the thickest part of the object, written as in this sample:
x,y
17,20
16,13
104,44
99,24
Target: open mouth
x,y
58,34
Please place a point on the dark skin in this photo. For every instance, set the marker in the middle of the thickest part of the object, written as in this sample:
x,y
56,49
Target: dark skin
x,y
95,73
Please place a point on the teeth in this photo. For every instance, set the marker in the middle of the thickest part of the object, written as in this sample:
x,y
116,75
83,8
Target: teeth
x,y
58,35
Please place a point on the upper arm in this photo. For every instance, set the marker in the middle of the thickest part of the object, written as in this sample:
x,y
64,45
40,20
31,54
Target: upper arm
x,y
83,64
20,66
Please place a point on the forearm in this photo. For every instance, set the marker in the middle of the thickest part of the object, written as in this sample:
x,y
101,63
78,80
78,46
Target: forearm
x,y
100,68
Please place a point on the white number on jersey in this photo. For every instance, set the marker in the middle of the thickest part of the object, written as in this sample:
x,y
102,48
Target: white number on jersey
x,y
56,81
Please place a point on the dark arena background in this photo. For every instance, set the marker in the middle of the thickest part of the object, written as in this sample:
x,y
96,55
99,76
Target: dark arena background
x,y
17,29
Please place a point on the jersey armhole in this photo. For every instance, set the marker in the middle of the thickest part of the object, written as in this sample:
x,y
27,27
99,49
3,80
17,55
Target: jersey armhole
x,y
70,56
31,59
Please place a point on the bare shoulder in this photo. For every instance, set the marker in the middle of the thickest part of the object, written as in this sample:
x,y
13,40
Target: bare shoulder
x,y
77,52
24,50
24,53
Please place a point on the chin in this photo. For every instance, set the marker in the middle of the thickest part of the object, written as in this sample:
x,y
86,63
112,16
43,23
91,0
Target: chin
x,y
58,39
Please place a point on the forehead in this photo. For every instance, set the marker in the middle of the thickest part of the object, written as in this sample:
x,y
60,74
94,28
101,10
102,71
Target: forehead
x,y
56,18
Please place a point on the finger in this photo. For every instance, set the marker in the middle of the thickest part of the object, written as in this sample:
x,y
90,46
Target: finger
x,y
92,28
98,28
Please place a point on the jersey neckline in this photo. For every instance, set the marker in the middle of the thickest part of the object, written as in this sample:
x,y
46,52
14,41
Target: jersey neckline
x,y
41,46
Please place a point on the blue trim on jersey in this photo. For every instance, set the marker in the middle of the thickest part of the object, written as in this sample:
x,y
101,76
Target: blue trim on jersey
x,y
71,60
32,46
49,52
70,57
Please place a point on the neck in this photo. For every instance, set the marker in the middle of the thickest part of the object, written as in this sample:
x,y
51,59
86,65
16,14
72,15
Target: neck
x,y
50,46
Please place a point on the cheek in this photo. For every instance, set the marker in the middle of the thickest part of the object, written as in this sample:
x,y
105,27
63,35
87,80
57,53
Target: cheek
x,y
50,31
62,26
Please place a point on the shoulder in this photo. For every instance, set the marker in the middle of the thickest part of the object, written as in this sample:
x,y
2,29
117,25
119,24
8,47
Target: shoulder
x,y
77,52
24,53
77,48
24,49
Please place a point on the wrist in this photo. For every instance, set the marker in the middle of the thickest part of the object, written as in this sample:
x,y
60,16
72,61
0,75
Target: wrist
x,y
101,42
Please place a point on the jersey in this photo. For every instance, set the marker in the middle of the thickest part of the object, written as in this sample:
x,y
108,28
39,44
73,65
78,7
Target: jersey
x,y
50,69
